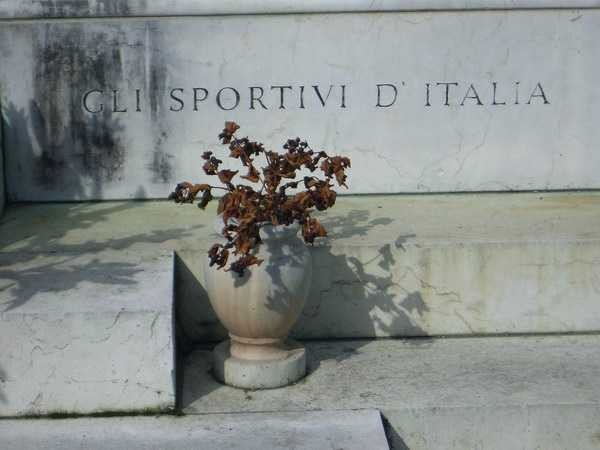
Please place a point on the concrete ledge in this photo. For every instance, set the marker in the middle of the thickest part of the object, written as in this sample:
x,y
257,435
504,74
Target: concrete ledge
x,y
86,333
446,265
403,265
548,427
2,189
2,193
452,393
34,9
350,430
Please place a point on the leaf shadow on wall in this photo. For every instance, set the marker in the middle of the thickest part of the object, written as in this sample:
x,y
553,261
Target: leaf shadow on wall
x,y
351,297
57,160
46,262
40,261
354,291
23,270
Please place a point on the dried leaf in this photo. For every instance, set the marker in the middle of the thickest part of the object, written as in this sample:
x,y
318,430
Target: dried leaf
x,y
206,197
236,150
218,256
335,166
211,166
228,132
340,177
312,229
244,210
186,192
242,263
252,174
225,176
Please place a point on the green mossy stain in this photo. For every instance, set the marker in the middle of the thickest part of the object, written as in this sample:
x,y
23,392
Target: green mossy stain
x,y
125,413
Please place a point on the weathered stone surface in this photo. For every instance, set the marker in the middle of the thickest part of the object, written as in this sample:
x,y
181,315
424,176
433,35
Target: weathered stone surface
x,y
544,426
392,265
259,374
520,116
86,332
2,192
445,265
350,430
124,8
454,393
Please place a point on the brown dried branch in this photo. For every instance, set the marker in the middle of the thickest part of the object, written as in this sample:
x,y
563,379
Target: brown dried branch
x,y
245,210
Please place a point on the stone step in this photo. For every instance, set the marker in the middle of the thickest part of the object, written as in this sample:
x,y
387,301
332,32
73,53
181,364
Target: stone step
x,y
348,430
449,393
441,265
394,265
86,332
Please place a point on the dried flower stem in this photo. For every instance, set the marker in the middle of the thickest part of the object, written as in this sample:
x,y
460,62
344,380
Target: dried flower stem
x,y
271,204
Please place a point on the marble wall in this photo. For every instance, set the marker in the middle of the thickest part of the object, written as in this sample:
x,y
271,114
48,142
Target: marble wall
x,y
2,193
20,9
422,101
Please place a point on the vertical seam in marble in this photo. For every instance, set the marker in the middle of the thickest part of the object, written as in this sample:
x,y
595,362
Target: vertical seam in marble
x,y
3,187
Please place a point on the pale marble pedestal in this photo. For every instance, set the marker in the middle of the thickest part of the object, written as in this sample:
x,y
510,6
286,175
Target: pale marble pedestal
x,y
259,374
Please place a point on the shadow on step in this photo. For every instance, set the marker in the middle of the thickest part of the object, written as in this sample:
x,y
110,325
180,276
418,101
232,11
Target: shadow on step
x,y
33,270
355,292
353,297
395,441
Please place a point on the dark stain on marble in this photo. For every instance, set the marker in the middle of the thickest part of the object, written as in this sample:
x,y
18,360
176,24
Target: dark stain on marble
x,y
85,8
72,58
161,164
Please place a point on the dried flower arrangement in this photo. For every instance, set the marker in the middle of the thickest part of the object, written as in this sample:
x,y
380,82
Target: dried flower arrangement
x,y
245,209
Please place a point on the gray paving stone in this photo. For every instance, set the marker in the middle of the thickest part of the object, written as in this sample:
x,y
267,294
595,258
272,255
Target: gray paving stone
x,y
449,393
348,430
399,265
86,333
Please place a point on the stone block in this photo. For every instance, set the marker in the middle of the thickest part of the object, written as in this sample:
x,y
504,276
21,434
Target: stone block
x,y
33,9
287,369
86,333
402,265
478,100
551,427
2,189
438,394
309,430
442,265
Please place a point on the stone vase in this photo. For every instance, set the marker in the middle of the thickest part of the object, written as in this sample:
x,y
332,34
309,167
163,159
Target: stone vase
x,y
259,309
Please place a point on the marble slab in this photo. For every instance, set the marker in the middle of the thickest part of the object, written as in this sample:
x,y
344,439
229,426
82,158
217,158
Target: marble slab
x,y
2,191
306,430
421,101
469,264
525,393
87,332
411,265
19,9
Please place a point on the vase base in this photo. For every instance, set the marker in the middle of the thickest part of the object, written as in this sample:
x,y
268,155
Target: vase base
x,y
257,374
